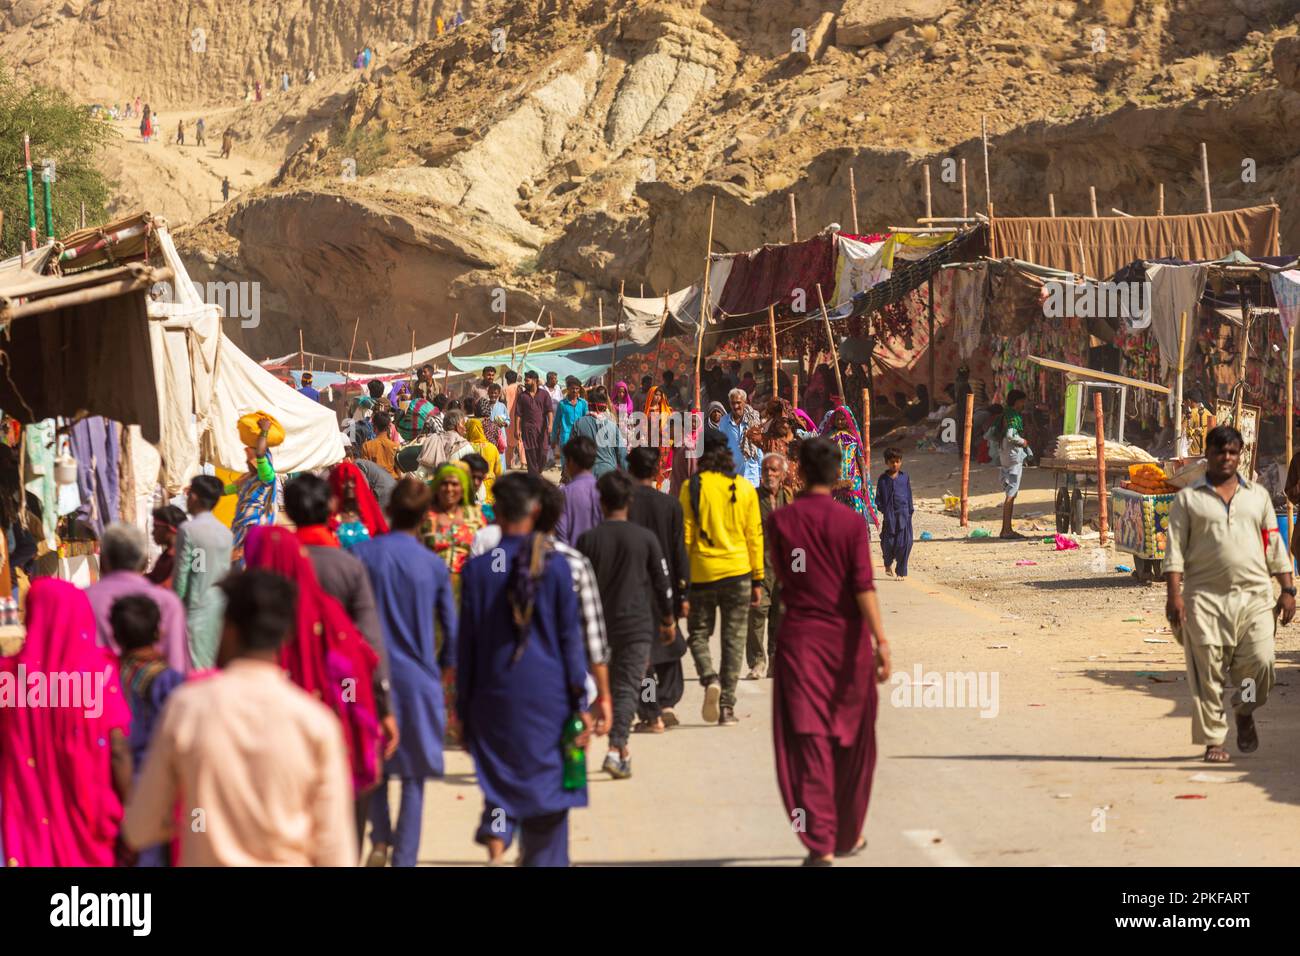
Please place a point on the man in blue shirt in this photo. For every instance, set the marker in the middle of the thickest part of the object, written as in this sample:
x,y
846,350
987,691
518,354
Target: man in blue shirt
x,y
736,426
306,388
567,413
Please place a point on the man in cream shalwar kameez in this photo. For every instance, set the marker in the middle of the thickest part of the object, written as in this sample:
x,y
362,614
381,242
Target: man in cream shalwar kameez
x,y
1223,545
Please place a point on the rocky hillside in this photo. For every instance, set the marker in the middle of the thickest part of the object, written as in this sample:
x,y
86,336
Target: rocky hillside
x,y
557,148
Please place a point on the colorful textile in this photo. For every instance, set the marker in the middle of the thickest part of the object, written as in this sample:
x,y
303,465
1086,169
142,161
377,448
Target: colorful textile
x,y
450,534
1286,290
327,655
852,488
349,486
58,806
860,266
770,275
256,502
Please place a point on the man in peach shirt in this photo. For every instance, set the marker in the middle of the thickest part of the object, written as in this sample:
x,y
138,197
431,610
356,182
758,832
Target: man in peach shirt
x,y
257,766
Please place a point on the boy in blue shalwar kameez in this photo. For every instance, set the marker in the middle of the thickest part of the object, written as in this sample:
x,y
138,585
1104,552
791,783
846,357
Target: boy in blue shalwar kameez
x,y
894,504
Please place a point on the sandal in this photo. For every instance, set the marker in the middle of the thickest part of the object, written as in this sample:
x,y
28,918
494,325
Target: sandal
x,y
649,727
1215,754
862,845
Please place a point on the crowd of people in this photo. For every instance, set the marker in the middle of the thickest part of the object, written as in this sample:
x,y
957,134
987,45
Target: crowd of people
x,y
436,590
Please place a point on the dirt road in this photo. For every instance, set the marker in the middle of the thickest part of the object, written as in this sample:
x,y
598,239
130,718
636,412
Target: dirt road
x,y
1084,757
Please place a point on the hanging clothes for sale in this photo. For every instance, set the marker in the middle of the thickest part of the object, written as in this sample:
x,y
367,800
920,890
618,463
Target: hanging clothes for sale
x,y
95,446
780,276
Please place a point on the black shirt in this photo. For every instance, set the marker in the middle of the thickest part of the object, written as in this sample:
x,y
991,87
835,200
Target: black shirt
x,y
661,514
632,576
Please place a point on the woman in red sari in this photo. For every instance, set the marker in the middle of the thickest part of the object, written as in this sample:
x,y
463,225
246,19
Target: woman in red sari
x,y
659,424
327,657
63,773
824,689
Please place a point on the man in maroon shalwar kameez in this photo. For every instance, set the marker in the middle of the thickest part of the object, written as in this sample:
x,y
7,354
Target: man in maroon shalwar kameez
x,y
824,690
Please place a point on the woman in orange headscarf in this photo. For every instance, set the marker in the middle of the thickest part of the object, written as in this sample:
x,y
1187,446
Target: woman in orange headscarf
x,y
660,423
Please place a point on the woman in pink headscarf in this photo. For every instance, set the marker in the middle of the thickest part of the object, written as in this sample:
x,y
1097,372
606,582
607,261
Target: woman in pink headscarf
x,y
65,765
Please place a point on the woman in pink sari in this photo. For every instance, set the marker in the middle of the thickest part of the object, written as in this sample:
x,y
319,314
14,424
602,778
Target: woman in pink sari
x,y
65,766
327,655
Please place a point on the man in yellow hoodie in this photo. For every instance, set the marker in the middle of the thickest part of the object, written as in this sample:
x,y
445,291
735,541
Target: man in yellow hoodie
x,y
724,538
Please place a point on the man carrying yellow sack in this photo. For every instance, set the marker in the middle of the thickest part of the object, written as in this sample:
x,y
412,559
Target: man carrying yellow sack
x,y
1223,547
257,490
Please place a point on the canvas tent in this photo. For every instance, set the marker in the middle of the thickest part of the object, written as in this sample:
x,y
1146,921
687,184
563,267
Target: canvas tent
x,y
207,384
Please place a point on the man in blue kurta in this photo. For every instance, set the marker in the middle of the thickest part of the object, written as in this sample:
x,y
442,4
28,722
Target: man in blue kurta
x,y
411,584
521,675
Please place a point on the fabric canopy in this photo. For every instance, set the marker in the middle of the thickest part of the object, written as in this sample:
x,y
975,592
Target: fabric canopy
x,y
1103,245
206,384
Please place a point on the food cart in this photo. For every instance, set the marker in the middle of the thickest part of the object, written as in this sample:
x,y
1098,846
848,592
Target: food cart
x,y
1072,477
1139,523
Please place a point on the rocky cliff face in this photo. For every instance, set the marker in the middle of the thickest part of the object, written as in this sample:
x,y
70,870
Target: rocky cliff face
x,y
550,150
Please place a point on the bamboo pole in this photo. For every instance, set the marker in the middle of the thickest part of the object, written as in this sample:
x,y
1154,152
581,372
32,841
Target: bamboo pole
x,y
451,347
988,191
1205,178
1178,386
1051,205
776,362
1092,200
705,307
1100,417
1290,421
1241,360
965,460
835,354
47,188
964,209
794,221
929,209
929,308
1160,207
302,353
355,326
866,428
853,200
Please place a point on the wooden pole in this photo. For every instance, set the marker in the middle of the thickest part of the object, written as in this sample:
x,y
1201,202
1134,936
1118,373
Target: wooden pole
x,y
929,210
705,307
356,325
1241,359
776,362
412,372
302,353
866,428
83,215
835,354
1092,200
1178,386
369,354
1205,178
1160,207
1051,205
1100,416
794,221
988,192
618,324
965,460
451,347
929,308
1029,245
794,393
964,209
1290,420
853,200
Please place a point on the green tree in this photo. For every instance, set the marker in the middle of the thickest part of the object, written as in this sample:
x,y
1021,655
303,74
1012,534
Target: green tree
x,y
61,130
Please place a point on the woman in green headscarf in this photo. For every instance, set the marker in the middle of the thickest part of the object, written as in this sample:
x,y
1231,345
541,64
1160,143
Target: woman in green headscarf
x,y
453,518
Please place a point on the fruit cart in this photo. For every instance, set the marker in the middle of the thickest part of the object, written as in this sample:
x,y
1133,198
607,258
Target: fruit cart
x,y
1139,523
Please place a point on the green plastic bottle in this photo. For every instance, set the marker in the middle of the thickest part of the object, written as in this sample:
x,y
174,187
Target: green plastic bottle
x,y
575,758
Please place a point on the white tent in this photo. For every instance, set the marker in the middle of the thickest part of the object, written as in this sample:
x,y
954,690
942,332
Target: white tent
x,y
205,384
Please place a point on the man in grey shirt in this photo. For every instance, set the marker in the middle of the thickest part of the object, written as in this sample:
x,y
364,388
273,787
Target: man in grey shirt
x,y
203,547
